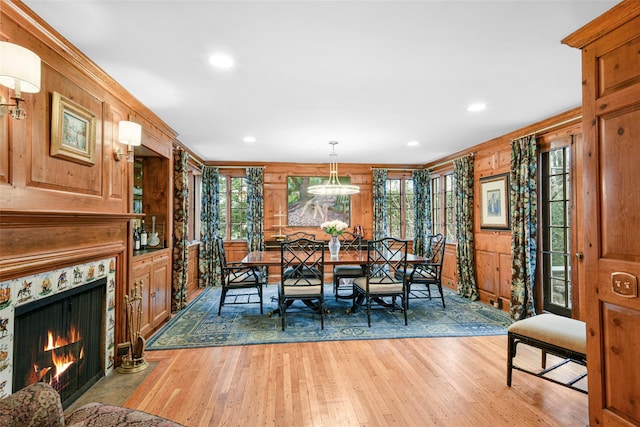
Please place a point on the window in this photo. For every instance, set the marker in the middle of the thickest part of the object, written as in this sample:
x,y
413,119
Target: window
x,y
450,208
443,206
436,209
233,207
195,197
400,207
555,230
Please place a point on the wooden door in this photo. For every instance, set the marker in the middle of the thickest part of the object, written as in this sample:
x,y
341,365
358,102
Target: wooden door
x,y
161,292
611,121
142,277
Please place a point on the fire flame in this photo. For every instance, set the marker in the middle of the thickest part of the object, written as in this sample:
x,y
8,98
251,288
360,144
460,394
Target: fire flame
x,y
63,359
74,336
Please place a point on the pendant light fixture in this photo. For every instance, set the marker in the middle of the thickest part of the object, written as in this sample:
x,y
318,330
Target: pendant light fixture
x,y
333,187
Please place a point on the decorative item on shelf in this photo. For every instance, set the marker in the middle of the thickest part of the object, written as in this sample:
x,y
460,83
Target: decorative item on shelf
x,y
334,229
358,230
333,187
144,237
20,71
279,226
153,239
133,358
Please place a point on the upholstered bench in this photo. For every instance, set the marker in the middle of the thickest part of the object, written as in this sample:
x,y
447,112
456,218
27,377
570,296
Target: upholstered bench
x,y
556,335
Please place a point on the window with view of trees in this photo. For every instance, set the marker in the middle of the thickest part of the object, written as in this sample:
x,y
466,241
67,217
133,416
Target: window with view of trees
x,y
450,207
233,207
195,193
443,206
555,211
435,206
400,210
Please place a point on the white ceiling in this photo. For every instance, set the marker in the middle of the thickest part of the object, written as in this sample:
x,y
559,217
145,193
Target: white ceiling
x,y
372,75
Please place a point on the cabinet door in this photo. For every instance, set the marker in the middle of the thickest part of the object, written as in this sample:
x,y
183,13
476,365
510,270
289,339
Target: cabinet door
x,y
161,296
142,276
611,94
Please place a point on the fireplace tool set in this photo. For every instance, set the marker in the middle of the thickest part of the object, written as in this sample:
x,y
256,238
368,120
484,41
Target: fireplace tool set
x,y
132,352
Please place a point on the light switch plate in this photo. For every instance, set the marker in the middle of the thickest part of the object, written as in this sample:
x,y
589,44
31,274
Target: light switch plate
x,y
624,284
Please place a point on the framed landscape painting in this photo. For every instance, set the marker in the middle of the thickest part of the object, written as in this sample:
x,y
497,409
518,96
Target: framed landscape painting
x,y
73,131
308,210
494,202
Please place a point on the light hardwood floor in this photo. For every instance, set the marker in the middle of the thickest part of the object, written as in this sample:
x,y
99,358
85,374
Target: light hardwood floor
x,y
402,382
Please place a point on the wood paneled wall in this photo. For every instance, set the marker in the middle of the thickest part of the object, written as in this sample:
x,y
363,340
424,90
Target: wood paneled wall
x,y
55,212
275,195
493,247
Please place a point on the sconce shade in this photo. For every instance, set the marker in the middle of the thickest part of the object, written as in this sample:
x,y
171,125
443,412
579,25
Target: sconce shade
x,y
19,68
129,133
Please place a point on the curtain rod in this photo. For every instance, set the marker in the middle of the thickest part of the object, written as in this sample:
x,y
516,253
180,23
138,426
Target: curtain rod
x,y
553,126
446,162
397,169
235,167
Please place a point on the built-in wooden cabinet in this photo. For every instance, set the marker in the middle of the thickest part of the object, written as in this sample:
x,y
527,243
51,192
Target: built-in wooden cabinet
x,y
151,195
610,246
152,275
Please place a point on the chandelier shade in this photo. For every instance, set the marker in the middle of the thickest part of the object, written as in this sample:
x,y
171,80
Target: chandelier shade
x,y
333,186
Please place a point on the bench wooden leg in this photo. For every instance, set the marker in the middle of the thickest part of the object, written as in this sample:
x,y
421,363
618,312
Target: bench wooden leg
x,y
511,349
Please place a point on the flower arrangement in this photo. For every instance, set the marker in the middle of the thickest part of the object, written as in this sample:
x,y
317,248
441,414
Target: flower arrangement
x,y
334,228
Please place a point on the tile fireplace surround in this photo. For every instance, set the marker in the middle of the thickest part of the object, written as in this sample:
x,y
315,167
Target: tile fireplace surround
x,y
27,289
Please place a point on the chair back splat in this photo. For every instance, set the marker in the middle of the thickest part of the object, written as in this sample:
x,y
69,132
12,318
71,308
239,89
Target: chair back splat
x,y
302,276
299,235
343,275
238,281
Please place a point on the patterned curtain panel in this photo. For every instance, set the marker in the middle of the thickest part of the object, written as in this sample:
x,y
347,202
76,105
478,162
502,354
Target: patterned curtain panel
x,y
524,226
422,207
379,203
255,211
209,271
180,227
465,248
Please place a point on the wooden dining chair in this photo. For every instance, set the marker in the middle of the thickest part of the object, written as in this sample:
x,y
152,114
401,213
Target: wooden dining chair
x,y
422,276
295,236
237,281
302,278
299,235
343,274
384,276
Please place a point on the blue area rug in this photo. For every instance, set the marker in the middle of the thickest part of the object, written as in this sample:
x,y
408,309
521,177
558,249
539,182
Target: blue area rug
x,y
199,325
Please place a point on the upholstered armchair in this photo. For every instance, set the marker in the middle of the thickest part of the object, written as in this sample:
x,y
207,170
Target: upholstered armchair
x,y
39,405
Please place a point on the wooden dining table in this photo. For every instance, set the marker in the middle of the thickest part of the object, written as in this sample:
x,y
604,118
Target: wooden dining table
x,y
347,257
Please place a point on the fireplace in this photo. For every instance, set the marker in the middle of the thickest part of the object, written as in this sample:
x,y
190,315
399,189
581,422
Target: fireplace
x,y
60,340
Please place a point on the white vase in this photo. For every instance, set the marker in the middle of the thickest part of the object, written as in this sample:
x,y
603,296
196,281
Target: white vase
x,y
334,246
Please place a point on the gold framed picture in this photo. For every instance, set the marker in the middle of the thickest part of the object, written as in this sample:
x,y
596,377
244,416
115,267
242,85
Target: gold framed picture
x,y
73,131
494,202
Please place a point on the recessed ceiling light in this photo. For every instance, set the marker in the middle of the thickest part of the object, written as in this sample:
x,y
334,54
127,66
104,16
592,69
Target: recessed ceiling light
x,y
479,106
413,143
221,60
249,139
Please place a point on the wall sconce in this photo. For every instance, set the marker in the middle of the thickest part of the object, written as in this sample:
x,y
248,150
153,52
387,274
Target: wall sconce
x,y
129,133
20,71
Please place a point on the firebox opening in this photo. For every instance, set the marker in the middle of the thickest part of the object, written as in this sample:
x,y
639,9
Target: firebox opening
x,y
60,340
